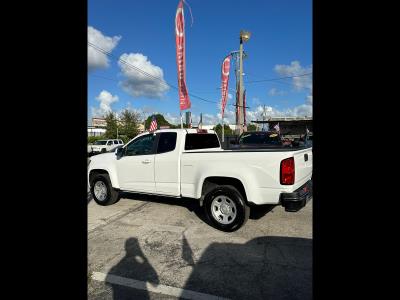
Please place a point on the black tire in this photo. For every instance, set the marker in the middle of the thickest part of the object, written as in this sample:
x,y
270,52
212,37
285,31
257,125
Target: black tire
x,y
103,150
242,209
112,194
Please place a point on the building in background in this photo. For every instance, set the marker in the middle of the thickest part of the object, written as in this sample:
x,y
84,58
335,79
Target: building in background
x,y
99,122
94,131
98,127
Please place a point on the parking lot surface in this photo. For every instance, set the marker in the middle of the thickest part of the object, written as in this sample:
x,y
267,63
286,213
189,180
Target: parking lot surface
x,y
148,247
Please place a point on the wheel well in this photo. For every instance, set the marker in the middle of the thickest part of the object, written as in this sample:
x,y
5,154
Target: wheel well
x,y
210,183
96,172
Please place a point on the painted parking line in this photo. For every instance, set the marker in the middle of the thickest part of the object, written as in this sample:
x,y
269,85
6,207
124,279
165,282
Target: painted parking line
x,y
160,288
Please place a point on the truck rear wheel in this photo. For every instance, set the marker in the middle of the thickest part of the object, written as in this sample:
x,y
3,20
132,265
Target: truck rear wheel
x,y
102,191
226,208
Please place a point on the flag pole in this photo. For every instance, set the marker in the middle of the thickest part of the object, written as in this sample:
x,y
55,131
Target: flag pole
x,y
181,120
223,129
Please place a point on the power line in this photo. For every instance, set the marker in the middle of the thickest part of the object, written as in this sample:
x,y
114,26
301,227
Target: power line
x,y
279,78
147,74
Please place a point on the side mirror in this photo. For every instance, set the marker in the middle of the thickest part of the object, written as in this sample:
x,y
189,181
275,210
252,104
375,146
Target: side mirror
x,y
119,151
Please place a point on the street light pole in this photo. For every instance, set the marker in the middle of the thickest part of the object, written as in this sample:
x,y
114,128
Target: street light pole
x,y
240,108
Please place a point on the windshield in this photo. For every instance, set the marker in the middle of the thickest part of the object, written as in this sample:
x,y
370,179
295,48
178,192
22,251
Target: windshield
x,y
100,142
260,138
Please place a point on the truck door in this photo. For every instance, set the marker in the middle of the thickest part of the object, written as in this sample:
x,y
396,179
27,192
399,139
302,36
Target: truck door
x,y
135,168
167,165
109,145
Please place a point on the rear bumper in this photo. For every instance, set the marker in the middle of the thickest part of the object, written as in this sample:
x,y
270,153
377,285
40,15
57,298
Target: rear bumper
x,y
295,201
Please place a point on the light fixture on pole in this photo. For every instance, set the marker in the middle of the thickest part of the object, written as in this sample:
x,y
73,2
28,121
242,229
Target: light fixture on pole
x,y
245,35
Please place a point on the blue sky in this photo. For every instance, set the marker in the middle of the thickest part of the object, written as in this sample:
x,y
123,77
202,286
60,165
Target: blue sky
x,y
142,32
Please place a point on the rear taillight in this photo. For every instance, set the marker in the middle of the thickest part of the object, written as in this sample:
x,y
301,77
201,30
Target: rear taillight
x,y
287,171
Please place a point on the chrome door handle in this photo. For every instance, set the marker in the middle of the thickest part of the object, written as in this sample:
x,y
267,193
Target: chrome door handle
x,y
146,161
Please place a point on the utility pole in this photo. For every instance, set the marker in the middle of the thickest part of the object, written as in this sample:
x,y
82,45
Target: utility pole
x,y
235,56
244,37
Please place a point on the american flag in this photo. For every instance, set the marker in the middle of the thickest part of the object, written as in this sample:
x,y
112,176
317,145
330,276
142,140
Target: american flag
x,y
153,124
277,127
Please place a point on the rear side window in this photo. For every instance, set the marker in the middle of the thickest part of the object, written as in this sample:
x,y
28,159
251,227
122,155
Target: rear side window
x,y
201,141
120,141
167,142
115,142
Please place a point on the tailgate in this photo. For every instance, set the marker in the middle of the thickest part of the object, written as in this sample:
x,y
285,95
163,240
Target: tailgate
x,y
303,165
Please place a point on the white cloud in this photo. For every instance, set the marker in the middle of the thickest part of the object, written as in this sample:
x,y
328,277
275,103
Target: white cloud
x,y
172,119
210,119
136,83
299,83
276,92
297,111
230,96
106,99
256,101
97,59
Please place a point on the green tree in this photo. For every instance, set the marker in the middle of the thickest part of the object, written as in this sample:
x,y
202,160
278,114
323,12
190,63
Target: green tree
x,y
227,130
111,127
129,123
251,127
160,121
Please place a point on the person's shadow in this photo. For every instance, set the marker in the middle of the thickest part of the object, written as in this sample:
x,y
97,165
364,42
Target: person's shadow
x,y
267,267
134,266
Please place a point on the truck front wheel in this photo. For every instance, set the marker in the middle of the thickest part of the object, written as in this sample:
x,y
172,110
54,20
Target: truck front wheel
x,y
102,191
226,208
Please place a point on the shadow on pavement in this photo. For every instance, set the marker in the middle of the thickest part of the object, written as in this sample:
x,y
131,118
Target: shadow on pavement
x,y
134,266
192,205
259,211
263,268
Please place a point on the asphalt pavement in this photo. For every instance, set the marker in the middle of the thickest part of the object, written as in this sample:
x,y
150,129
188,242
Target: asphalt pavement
x,y
148,247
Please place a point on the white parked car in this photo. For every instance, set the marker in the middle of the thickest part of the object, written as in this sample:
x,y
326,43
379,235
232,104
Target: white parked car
x,y
102,146
191,163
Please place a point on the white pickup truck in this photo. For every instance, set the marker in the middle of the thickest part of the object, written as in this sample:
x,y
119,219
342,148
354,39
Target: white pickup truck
x,y
190,163
102,146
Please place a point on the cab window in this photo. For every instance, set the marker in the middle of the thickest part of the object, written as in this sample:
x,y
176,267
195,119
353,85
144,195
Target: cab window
x,y
141,146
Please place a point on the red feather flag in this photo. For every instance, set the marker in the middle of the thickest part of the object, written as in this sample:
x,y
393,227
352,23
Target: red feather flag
x,y
184,101
226,64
